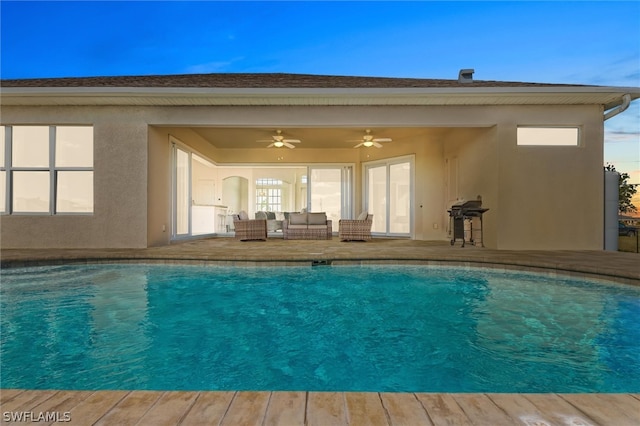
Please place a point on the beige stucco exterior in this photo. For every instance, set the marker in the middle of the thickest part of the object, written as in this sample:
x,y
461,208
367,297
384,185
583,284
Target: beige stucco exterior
x,y
539,197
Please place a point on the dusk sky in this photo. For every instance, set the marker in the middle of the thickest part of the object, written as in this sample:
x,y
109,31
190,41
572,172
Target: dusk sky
x,y
593,43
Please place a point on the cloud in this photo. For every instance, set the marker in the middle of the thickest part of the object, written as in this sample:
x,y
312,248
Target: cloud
x,y
621,136
212,67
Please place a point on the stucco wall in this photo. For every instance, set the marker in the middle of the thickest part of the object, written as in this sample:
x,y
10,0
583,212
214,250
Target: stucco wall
x,y
540,197
120,184
551,197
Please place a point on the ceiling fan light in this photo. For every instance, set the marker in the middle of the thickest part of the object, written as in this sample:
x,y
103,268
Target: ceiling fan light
x,y
368,144
278,144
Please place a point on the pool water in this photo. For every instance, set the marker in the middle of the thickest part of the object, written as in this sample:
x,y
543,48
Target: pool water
x,y
328,328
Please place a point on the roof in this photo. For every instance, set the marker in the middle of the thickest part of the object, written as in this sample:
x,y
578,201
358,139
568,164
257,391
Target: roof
x,y
269,80
297,89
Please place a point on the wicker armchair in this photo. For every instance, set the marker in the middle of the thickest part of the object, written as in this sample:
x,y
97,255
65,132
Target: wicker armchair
x,y
355,229
249,229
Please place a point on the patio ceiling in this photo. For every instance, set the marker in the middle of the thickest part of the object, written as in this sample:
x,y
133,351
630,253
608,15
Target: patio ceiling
x,y
312,137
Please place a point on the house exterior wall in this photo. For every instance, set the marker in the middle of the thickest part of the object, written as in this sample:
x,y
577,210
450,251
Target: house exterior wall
x,y
539,197
551,197
120,183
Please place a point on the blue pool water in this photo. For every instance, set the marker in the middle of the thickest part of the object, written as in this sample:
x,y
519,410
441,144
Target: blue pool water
x,y
379,328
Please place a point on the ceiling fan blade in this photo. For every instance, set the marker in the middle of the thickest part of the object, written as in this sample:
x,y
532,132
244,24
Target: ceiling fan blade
x,y
382,140
359,145
264,140
271,146
376,144
291,140
288,145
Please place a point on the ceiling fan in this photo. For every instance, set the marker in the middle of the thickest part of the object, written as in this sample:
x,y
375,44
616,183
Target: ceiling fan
x,y
368,140
279,141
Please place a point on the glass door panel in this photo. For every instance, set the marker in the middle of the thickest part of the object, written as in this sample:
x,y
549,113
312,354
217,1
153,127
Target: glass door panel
x,y
326,193
330,192
182,193
400,198
377,197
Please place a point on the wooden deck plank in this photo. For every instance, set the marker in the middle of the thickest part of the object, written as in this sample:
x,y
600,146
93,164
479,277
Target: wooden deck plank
x,y
247,408
520,408
602,411
62,402
28,399
624,402
169,408
365,409
481,410
286,408
326,408
558,410
209,408
443,409
280,408
7,395
404,409
130,409
94,406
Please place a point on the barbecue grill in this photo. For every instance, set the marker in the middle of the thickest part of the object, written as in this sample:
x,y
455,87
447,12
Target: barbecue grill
x,y
465,210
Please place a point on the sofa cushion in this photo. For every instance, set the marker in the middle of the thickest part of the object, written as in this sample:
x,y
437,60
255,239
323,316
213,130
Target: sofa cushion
x,y
317,226
243,215
317,218
298,219
297,226
362,216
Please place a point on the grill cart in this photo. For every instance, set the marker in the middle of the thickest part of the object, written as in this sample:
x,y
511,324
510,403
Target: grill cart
x,y
465,210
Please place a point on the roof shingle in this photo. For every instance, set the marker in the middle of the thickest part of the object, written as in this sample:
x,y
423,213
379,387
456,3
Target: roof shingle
x,y
259,80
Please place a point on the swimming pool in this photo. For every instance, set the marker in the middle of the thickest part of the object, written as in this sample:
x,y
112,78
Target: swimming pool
x,y
378,328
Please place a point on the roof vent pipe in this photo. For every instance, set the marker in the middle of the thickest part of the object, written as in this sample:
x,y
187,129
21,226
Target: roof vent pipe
x,y
626,100
466,75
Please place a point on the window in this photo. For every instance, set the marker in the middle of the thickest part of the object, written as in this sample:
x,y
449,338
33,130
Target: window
x,y
548,136
269,195
46,169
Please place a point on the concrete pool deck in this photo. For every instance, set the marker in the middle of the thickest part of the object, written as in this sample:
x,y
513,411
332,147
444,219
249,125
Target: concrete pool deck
x,y
616,266
324,408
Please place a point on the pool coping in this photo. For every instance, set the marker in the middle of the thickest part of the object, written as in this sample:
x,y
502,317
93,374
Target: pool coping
x,y
320,408
541,267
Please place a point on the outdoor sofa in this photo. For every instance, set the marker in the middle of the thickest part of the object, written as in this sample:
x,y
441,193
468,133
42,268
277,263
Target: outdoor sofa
x,y
307,226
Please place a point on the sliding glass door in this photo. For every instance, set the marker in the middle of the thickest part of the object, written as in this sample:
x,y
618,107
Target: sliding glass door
x,y
194,209
330,191
181,193
388,190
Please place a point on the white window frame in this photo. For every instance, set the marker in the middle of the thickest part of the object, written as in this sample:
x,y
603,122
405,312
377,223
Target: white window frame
x,y
273,188
52,169
549,129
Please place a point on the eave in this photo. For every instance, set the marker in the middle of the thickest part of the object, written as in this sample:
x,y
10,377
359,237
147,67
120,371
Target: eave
x,y
608,97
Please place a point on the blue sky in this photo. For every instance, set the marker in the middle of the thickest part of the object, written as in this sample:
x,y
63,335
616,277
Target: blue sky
x,y
554,42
